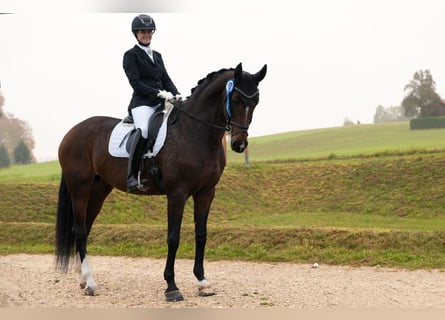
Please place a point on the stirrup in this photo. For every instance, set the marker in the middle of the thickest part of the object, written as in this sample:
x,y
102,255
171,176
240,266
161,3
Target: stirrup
x,y
140,186
141,182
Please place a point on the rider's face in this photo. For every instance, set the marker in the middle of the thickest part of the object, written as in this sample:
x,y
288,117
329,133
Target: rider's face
x,y
144,36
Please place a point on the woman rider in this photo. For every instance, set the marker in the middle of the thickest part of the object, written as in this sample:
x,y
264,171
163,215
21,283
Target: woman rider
x,y
151,85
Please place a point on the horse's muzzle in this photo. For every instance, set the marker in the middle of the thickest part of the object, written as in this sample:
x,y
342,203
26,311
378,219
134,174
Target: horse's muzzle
x,y
239,145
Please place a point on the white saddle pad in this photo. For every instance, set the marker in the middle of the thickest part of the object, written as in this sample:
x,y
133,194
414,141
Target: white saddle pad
x,y
119,137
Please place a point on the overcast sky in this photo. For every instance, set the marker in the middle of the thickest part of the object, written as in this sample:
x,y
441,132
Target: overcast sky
x,y
327,59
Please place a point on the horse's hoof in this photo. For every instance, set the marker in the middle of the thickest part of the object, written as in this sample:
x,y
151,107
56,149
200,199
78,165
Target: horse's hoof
x,y
205,292
90,291
173,296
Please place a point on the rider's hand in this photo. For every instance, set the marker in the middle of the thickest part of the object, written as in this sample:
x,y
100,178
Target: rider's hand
x,y
178,97
165,95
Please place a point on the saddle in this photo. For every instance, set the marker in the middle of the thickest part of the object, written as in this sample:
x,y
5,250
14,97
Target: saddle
x,y
154,124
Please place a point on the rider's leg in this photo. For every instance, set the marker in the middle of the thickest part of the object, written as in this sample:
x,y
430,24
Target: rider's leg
x,y
141,116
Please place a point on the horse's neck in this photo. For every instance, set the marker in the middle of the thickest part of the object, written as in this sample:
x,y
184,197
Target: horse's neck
x,y
208,101
206,109
207,117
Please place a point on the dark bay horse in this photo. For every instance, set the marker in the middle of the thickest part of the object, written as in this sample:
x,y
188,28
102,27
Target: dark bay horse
x,y
191,162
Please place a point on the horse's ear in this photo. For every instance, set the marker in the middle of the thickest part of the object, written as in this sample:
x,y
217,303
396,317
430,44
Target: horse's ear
x,y
238,72
260,74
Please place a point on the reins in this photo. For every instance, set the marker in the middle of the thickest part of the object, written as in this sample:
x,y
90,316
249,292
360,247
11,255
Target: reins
x,y
230,86
225,128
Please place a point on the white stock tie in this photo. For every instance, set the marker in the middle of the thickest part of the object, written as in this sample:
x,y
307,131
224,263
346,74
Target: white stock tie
x,y
150,53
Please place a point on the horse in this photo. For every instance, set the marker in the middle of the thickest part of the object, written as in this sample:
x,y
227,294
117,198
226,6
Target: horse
x,y
191,161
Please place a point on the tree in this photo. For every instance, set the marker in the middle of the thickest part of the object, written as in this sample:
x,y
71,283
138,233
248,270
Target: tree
x,y
2,102
4,157
348,122
22,153
12,131
422,99
392,113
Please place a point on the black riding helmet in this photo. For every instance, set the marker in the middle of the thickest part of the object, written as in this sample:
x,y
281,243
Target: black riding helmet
x,y
143,22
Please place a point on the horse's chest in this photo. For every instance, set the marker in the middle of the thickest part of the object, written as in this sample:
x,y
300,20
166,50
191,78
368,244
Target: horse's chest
x,y
206,171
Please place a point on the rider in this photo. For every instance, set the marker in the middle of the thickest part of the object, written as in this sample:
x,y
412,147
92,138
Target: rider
x,y
151,85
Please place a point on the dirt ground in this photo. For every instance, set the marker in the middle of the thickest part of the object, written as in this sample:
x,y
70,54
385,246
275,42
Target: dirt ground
x,y
31,281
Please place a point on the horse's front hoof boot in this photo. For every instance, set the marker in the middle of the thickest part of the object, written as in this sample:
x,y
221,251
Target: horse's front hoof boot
x,y
173,296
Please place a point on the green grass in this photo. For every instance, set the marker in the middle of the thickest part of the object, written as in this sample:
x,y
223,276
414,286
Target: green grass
x,y
346,221
251,243
370,204
343,141
37,172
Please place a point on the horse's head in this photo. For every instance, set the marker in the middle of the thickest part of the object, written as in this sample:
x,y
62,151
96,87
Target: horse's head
x,y
242,95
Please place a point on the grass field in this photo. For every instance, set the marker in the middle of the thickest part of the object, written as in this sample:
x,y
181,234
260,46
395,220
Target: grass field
x,y
365,206
343,141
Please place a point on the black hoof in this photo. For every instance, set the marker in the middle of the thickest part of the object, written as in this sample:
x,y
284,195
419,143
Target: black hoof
x,y
173,296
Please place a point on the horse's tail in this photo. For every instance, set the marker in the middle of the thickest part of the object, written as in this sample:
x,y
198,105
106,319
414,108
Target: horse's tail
x,y
64,228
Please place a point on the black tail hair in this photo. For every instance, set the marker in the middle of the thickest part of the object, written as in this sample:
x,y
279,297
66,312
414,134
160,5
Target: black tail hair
x,y
64,228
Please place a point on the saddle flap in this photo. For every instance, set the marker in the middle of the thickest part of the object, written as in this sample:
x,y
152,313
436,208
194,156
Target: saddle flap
x,y
122,132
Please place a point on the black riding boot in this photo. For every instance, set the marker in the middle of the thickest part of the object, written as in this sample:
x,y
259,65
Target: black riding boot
x,y
134,162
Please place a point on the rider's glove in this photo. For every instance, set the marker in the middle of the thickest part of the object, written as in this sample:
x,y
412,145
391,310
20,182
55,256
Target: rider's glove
x,y
165,95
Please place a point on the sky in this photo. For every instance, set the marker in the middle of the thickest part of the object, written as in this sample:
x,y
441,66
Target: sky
x,y
327,59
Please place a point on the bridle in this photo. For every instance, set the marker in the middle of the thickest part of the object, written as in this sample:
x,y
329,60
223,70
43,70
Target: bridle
x,y
230,87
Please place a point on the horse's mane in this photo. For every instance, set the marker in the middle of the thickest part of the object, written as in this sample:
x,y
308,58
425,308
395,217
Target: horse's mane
x,y
209,77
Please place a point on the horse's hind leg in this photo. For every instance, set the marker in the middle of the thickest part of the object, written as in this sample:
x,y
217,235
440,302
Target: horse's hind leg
x,y
98,194
80,189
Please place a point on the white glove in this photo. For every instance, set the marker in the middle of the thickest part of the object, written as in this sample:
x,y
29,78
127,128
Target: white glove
x,y
178,97
165,95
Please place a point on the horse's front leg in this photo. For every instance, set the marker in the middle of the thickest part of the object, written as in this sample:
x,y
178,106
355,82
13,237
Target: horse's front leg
x,y
175,212
202,202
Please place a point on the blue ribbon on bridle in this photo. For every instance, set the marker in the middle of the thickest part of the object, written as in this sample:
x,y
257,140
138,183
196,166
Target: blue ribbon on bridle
x,y
229,89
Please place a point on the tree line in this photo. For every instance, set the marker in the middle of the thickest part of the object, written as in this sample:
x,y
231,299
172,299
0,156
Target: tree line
x,y
16,140
421,101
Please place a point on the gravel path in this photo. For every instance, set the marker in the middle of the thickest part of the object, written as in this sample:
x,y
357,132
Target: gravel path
x,y
31,281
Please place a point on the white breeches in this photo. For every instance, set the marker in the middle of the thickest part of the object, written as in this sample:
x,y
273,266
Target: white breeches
x,y
141,115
